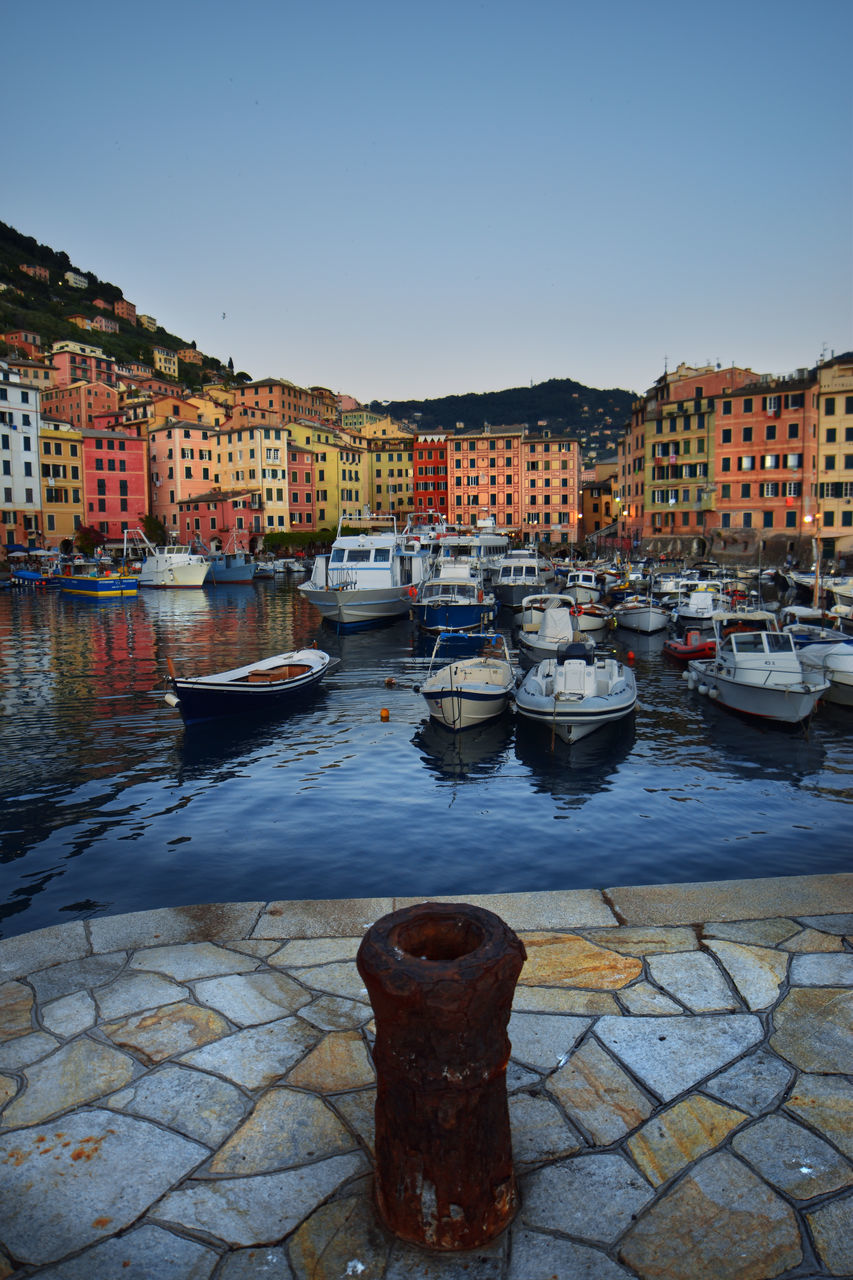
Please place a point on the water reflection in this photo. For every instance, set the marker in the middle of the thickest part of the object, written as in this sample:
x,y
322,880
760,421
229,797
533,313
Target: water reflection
x,y
468,756
574,771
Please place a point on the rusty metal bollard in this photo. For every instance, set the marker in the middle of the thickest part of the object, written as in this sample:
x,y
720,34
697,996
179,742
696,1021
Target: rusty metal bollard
x,y
441,978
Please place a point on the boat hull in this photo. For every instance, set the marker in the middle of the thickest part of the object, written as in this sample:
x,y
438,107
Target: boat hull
x,y
645,619
453,617
268,686
465,708
175,575
361,607
112,588
786,705
575,715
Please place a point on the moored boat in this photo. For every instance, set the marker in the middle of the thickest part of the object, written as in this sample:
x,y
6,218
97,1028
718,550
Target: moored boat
x,y
464,691
641,613
520,574
166,567
454,600
577,692
693,644
269,684
95,580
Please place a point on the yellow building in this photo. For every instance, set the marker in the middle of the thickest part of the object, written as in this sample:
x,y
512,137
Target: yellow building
x,y
359,419
165,361
61,472
341,484
835,458
147,322
390,461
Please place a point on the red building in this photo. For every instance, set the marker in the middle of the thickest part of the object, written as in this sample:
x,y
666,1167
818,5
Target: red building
x,y
115,482
430,473
80,403
300,472
75,363
24,342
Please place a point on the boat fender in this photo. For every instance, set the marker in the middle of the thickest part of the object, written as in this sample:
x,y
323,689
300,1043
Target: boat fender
x,y
413,591
479,597
703,688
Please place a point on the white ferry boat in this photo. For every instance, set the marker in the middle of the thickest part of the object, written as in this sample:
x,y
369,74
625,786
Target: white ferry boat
x,y
169,566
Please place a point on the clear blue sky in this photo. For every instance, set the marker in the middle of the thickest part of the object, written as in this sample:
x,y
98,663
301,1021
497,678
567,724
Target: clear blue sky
x,y
411,200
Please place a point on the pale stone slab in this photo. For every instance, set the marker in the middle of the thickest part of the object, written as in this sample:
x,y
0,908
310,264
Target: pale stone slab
x,y
720,1222
694,979
16,1004
133,992
681,1134
340,1061
812,940
80,1072
825,1103
140,1255
840,923
307,952
321,918
193,960
408,1262
64,1194
18,1053
553,909
258,1209
723,900
832,1228
29,952
262,1263
77,975
754,1084
592,1197
340,979
162,1033
636,941
567,960
544,1041
249,999
539,1131
191,1102
8,1089
257,1056
792,1159
518,1077
334,1013
70,1015
642,998
538,1257
260,947
822,970
598,1095
814,1029
359,1112
671,1055
563,1000
757,972
287,1127
204,922
759,933
340,1239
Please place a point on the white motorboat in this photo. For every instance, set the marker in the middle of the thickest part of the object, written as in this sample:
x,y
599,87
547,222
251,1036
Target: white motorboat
x,y
827,653
556,628
520,573
696,605
529,616
641,613
577,692
756,669
371,575
464,691
585,585
164,567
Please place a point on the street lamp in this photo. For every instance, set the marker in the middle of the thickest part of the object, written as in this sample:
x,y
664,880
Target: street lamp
x,y
814,519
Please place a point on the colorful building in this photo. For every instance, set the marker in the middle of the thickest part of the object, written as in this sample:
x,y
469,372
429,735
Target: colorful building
x,y
125,310
77,362
165,361
182,463
19,469
37,273
79,402
105,325
834,466
61,467
76,279
115,480
24,342
148,322
287,401
189,355
430,473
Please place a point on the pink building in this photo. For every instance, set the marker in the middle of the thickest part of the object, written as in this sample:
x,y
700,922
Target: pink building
x,y
105,325
115,481
78,364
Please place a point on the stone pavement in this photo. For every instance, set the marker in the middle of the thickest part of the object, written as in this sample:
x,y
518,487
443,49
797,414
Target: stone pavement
x,y
188,1093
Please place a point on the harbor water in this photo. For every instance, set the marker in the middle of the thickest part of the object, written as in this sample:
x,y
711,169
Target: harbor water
x,y
110,805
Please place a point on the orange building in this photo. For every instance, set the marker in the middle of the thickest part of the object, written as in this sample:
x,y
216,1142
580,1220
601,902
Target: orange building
x,y
287,401
24,342
125,310
79,402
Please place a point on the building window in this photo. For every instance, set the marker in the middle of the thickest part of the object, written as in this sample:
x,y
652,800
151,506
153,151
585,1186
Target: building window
x,y
727,408
829,406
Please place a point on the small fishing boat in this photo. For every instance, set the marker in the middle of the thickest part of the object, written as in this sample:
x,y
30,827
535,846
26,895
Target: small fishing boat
x,y
270,684
577,692
455,599
168,567
691,645
520,574
585,585
826,653
556,628
95,580
465,691
529,616
641,613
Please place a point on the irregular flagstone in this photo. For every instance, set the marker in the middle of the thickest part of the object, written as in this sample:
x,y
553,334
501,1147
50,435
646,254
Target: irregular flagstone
x,y
256,1264
340,1061
192,1102
20,1052
633,940
359,1111
538,1257
832,1228
694,979
825,1103
757,972
592,1197
329,918
302,952
760,933
249,999
598,1095
340,1239
544,1041
718,1223
163,1032
518,1077
563,1000
16,1003
134,992
754,1084
539,1132
193,960
812,940
792,1159
261,947
80,1072
814,1029
334,1013
681,1134
340,979
673,1054
822,970
257,1056
217,921
140,1255
259,1209
29,952
840,924
8,1089
407,1261
644,998
77,975
63,1194
287,1127
70,1015
567,960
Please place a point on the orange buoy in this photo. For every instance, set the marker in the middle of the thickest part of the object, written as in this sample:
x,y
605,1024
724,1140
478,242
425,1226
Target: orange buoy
x,y
384,714
630,657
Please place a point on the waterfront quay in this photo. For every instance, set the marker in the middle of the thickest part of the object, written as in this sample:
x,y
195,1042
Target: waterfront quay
x,y
188,1092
